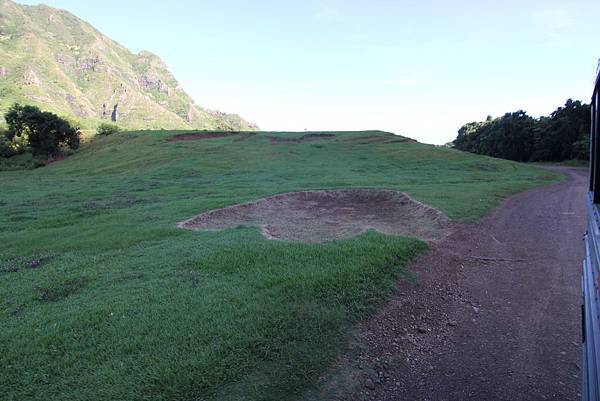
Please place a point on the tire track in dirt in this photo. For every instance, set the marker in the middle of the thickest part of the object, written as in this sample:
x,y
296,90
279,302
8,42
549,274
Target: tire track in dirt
x,y
494,314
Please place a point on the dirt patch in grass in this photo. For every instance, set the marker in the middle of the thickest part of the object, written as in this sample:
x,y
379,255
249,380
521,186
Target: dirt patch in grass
x,y
303,138
33,262
60,290
370,139
201,135
328,215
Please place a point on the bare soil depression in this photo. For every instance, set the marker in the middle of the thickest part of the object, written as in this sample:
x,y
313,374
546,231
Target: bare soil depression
x,y
328,215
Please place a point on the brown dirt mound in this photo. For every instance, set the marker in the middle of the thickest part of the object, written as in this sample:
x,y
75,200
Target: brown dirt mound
x,y
201,135
367,140
303,138
322,216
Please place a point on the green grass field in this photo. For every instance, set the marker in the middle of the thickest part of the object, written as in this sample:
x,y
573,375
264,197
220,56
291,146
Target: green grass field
x,y
103,298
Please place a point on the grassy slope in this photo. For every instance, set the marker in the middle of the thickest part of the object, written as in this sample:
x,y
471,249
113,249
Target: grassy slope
x,y
130,307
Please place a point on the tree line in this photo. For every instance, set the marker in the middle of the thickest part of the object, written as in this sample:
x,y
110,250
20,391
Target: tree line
x,y
563,135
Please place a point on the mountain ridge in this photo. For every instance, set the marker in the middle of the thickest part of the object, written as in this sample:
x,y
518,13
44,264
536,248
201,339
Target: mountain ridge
x,y
52,59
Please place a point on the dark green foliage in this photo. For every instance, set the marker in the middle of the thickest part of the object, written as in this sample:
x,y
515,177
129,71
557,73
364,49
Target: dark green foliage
x,y
44,133
516,136
106,129
510,136
565,134
6,148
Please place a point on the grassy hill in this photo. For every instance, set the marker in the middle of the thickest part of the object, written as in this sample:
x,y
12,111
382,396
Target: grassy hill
x,y
103,297
52,59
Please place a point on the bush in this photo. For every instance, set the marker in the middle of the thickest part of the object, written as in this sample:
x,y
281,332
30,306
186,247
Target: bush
x,y
106,129
7,149
43,132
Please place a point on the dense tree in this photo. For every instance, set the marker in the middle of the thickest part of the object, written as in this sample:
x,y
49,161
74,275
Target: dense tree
x,y
43,133
563,133
516,136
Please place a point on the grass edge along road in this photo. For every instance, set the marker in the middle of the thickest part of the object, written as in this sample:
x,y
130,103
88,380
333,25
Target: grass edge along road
x,y
104,298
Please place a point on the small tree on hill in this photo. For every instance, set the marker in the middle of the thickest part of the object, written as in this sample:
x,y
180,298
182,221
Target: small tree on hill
x,y
106,129
45,133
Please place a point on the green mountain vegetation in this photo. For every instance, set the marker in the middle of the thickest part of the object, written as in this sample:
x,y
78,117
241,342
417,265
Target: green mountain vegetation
x,y
564,135
104,298
52,59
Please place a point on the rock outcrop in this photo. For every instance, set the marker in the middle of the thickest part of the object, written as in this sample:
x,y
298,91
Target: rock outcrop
x,y
88,64
151,83
31,78
114,116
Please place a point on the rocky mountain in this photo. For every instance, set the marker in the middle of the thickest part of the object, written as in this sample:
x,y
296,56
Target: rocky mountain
x,y
52,59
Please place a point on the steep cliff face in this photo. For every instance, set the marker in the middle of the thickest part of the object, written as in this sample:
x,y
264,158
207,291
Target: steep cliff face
x,y
52,59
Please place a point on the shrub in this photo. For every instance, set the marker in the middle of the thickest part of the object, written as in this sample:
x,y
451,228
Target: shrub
x,y
5,148
43,132
106,129
8,148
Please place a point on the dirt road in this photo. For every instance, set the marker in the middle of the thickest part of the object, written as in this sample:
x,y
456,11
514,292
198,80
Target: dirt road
x,y
494,314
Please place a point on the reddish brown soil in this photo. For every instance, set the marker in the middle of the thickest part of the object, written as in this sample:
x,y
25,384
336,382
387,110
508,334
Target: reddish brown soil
x,y
321,216
309,137
494,314
366,140
303,138
201,135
